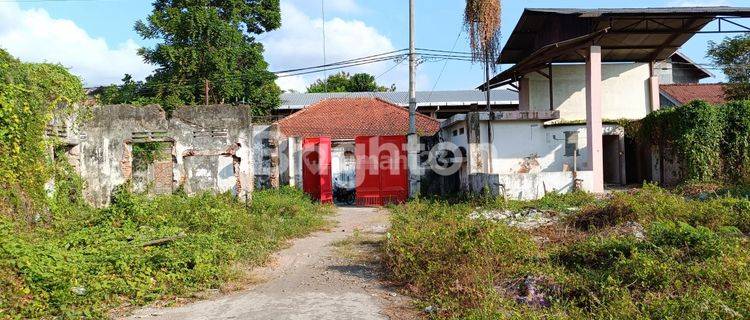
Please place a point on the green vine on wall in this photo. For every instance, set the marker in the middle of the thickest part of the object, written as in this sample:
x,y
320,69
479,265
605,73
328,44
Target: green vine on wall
x,y
712,143
147,152
30,95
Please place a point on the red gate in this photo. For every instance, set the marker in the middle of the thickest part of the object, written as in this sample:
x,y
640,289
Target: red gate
x,y
316,169
382,170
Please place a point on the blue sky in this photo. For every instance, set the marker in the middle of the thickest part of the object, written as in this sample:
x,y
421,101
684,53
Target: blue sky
x,y
96,40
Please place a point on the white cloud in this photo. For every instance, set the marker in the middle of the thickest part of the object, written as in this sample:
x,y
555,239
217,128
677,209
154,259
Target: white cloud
x,y
296,83
32,35
299,43
331,6
694,3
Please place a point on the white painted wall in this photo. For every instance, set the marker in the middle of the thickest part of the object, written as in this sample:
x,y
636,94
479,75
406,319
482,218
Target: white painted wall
x,y
529,147
530,186
522,145
461,139
625,91
530,158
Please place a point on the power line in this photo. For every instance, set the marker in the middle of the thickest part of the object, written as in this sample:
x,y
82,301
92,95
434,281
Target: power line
x,y
426,55
343,66
440,75
391,54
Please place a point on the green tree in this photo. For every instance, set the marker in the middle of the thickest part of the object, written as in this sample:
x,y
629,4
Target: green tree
x,y
210,46
129,92
733,56
344,82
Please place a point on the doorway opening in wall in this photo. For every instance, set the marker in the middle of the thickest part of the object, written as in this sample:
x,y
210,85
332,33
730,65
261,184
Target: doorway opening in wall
x,y
152,167
637,162
344,168
612,160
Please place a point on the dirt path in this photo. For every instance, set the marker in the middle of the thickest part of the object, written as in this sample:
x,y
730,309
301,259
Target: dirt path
x,y
319,277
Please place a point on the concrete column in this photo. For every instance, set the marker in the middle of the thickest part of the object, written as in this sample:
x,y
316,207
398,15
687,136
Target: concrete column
x,y
474,136
594,116
523,94
655,93
291,153
415,169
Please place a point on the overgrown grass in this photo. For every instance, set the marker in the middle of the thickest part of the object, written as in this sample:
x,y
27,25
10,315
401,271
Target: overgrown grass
x,y
88,261
692,263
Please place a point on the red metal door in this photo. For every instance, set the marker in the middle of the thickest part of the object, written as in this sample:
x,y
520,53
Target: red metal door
x,y
367,180
394,172
382,172
316,169
326,174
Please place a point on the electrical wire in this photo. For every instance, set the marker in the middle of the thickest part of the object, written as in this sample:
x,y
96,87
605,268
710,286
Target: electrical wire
x,y
442,70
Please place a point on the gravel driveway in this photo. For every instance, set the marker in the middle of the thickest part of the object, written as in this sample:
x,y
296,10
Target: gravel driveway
x,y
308,281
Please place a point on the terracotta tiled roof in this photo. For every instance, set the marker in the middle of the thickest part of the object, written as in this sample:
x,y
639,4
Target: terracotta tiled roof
x,y
353,117
683,93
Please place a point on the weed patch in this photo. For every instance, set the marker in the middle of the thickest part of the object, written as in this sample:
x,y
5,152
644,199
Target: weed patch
x,y
689,258
140,250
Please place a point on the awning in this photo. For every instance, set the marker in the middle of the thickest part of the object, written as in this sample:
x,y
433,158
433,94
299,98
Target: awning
x,y
543,36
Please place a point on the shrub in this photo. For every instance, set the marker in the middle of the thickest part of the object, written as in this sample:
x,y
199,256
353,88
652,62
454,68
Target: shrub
x,y
653,204
712,143
442,254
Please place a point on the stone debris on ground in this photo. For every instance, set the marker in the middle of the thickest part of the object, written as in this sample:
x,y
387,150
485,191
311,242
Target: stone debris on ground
x,y
531,295
528,219
634,229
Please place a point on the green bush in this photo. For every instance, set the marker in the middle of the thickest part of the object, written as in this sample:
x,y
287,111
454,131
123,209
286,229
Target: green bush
x,y
652,203
712,143
98,259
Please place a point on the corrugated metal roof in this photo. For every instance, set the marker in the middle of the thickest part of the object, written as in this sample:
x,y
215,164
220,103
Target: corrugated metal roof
x,y
634,34
544,36
294,100
639,11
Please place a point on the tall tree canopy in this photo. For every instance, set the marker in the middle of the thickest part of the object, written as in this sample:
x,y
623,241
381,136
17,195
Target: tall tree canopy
x,y
210,46
733,56
344,82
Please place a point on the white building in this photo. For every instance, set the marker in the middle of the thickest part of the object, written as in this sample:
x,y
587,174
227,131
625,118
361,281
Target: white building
x,y
578,73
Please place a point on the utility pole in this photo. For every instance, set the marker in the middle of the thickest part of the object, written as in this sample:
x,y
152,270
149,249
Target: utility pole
x,y
413,140
490,140
412,73
325,71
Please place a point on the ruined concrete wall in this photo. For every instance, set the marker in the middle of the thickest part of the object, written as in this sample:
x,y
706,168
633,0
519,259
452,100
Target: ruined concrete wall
x,y
213,147
105,148
266,142
210,149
